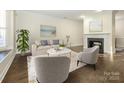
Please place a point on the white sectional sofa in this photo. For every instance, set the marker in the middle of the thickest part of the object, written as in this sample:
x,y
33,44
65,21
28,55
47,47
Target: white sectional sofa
x,y
41,47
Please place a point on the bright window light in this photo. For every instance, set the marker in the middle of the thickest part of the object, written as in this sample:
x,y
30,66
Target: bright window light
x,y
2,28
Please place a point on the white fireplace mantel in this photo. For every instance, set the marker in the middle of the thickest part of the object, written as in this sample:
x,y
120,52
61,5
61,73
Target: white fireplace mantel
x,y
96,33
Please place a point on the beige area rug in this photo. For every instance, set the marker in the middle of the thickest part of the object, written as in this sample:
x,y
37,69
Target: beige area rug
x,y
31,70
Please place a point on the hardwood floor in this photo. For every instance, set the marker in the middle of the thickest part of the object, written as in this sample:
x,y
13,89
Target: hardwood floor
x,y
17,72
77,48
109,69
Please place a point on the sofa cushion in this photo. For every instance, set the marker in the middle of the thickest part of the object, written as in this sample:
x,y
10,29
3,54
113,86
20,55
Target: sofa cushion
x,y
55,42
44,42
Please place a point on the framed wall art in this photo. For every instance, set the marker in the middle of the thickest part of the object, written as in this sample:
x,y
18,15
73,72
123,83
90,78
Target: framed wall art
x,y
95,26
47,31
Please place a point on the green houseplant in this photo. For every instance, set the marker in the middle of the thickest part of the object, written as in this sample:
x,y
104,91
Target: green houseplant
x,y
22,41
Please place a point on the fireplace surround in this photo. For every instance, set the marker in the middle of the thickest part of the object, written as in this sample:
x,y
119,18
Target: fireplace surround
x,y
96,41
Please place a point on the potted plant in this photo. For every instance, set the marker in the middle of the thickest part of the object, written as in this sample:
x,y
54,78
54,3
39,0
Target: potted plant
x,y
62,45
22,41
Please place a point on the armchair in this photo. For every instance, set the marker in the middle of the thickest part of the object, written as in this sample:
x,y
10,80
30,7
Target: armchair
x,y
52,69
89,56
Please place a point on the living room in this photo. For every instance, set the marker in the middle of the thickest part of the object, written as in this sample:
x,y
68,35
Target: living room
x,y
72,31
61,46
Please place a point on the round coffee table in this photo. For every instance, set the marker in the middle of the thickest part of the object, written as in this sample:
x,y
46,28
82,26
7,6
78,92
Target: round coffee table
x,y
58,52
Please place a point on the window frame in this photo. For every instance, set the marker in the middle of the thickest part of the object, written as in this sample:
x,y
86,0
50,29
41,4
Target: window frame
x,y
4,28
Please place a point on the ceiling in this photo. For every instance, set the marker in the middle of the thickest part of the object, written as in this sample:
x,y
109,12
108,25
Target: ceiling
x,y
69,14
72,14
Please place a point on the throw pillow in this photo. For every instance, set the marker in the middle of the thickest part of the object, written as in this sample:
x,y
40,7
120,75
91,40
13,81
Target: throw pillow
x,y
44,42
55,42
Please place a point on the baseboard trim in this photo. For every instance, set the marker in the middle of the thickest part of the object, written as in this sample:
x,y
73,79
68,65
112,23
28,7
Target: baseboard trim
x,y
76,45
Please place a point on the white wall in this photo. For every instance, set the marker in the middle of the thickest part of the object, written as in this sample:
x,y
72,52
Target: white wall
x,y
106,19
32,22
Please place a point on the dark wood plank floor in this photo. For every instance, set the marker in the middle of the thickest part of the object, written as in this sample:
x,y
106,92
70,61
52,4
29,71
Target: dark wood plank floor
x,y
109,69
17,72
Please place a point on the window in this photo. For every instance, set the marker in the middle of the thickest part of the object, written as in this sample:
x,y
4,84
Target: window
x,y
2,28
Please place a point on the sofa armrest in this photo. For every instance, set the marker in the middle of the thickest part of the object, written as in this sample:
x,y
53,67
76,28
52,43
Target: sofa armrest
x,y
85,57
33,49
34,46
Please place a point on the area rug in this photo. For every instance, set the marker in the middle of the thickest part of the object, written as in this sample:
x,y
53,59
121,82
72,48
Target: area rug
x,y
31,70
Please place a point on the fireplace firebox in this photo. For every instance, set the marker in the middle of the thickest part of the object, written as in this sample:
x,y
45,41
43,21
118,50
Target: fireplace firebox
x,y
96,41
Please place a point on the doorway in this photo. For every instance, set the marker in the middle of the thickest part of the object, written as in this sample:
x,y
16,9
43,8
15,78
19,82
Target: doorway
x,y
119,31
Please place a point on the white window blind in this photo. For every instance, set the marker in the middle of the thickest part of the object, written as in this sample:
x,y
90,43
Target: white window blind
x,y
2,28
